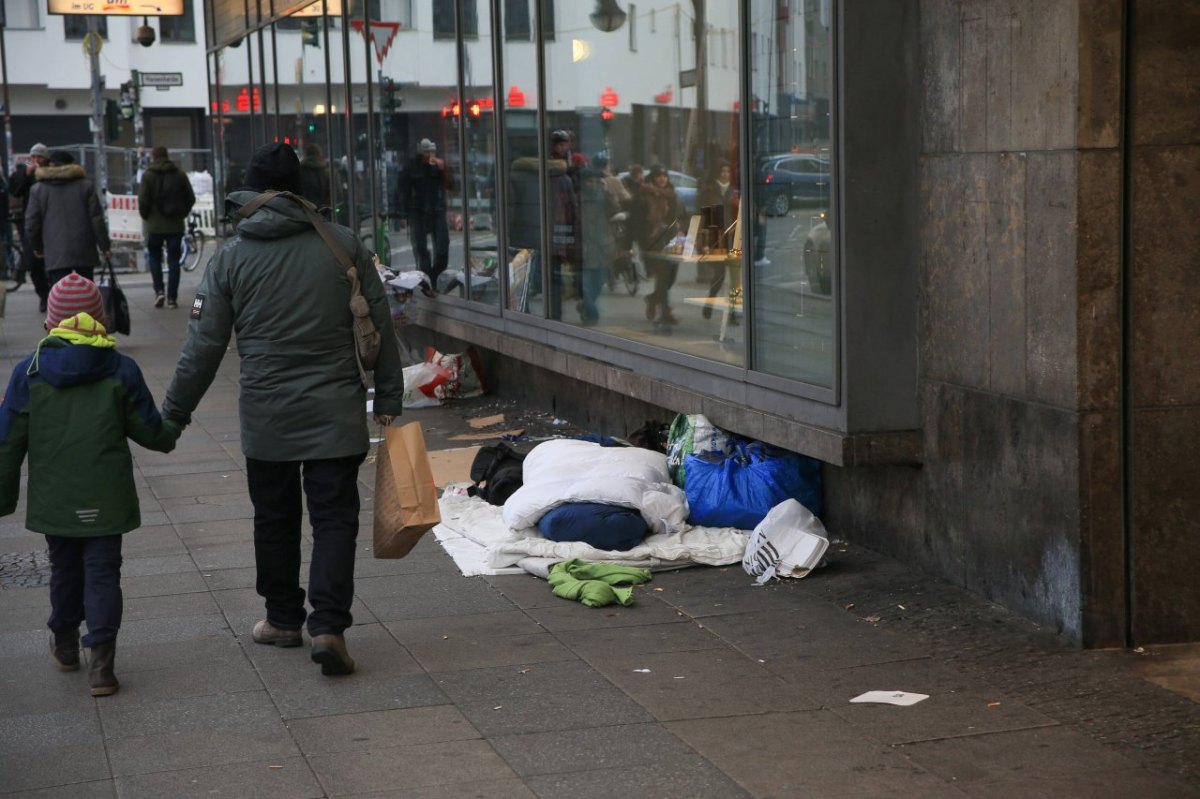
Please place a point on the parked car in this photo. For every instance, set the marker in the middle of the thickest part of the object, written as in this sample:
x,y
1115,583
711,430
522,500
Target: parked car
x,y
785,180
685,188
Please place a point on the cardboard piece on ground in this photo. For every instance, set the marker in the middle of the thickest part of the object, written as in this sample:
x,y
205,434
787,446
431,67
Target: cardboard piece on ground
x,y
898,698
452,465
480,422
487,436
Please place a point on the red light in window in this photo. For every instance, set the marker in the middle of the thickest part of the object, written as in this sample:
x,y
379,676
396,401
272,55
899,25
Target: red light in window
x,y
769,178
609,99
487,104
516,97
606,115
475,109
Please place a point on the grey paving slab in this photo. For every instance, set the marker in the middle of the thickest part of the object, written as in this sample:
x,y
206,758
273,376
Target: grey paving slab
x,y
166,564
24,619
153,518
148,542
400,768
141,685
170,605
99,789
547,696
683,635
243,608
562,751
208,511
456,654
194,732
509,622
23,643
365,732
195,485
173,631
817,636
425,595
367,566
714,591
221,556
233,529
276,778
38,596
47,749
1057,753
524,590
957,705
680,776
386,678
566,615
701,683
511,788
226,579
1100,784
806,753
223,464
33,685
214,652
157,585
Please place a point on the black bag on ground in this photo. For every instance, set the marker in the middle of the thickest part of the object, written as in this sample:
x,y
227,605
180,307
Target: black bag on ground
x,y
496,470
116,307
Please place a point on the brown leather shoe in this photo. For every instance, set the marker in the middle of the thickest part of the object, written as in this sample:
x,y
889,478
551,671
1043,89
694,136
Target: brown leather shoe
x,y
330,651
266,633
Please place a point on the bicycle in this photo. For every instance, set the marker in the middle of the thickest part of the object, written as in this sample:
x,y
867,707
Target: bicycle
x,y
193,244
377,241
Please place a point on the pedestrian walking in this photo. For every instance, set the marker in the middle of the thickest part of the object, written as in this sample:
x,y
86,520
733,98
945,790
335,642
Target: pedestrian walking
x,y
165,200
421,195
19,184
65,220
315,176
70,408
659,212
304,433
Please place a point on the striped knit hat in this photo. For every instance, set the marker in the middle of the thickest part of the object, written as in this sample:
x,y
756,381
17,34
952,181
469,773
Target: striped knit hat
x,y
71,295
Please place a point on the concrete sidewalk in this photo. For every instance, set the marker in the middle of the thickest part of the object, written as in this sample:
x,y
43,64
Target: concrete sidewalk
x,y
492,687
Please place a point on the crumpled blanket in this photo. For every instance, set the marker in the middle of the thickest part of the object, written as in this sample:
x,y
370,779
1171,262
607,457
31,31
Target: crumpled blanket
x,y
564,471
596,584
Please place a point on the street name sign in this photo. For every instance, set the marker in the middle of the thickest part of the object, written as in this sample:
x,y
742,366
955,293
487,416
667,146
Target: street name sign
x,y
160,79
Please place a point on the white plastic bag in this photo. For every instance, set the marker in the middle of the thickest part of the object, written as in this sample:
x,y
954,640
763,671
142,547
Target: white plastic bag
x,y
788,542
421,384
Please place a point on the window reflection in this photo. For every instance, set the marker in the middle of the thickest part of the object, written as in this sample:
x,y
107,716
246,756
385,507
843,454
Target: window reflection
x,y
793,263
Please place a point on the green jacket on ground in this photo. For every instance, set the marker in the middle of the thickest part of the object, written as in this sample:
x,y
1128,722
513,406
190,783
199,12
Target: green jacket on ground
x,y
162,175
71,406
279,287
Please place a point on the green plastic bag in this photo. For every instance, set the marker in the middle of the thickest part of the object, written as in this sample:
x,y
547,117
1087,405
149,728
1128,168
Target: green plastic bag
x,y
693,434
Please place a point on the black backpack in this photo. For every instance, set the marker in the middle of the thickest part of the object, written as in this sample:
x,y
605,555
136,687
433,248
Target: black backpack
x,y
170,199
496,470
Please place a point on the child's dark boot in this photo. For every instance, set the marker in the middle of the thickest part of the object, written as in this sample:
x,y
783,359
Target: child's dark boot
x,y
100,669
64,648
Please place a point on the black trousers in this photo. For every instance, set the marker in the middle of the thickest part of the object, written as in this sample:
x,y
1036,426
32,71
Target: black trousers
x,y
85,583
420,228
154,250
33,266
331,488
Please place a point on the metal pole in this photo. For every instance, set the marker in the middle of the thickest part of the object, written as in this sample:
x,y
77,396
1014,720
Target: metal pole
x,y
93,47
8,140
139,122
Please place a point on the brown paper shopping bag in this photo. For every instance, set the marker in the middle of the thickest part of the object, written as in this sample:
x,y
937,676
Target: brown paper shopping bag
x,y
406,503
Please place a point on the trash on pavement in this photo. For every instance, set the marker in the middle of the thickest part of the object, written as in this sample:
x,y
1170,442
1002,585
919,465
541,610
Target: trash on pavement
x,y
738,490
897,698
789,542
596,584
480,422
520,431
693,434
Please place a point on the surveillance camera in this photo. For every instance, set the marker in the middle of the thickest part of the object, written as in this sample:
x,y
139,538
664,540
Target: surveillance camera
x,y
144,36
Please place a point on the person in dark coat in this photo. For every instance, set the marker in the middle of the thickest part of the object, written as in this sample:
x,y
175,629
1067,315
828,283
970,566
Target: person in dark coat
x,y
65,220
421,196
280,287
165,199
69,411
660,215
314,176
19,184
719,194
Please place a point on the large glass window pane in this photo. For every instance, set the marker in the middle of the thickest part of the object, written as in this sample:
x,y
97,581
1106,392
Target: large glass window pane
x,y
75,26
793,259
22,14
236,101
521,181
181,28
643,186
478,277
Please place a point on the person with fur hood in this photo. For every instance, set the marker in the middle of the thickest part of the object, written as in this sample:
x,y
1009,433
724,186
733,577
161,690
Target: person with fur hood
x,y
660,213
65,220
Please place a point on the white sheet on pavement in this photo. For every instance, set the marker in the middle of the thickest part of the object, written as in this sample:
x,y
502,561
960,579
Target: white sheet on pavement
x,y
475,535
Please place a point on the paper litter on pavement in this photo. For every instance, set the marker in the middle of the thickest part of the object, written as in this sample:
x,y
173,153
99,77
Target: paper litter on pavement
x,y
898,698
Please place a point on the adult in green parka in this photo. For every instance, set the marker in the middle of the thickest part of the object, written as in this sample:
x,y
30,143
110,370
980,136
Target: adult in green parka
x,y
283,291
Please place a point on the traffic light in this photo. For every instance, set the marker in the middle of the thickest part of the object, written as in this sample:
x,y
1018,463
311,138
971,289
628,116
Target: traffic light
x,y
112,120
391,101
310,32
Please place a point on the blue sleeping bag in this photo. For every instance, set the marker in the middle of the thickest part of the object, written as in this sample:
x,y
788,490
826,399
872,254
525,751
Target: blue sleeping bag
x,y
608,527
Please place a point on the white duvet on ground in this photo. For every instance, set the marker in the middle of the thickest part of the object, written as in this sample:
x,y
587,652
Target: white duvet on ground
x,y
476,535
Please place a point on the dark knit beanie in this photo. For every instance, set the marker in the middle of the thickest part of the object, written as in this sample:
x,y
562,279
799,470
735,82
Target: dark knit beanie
x,y
274,167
